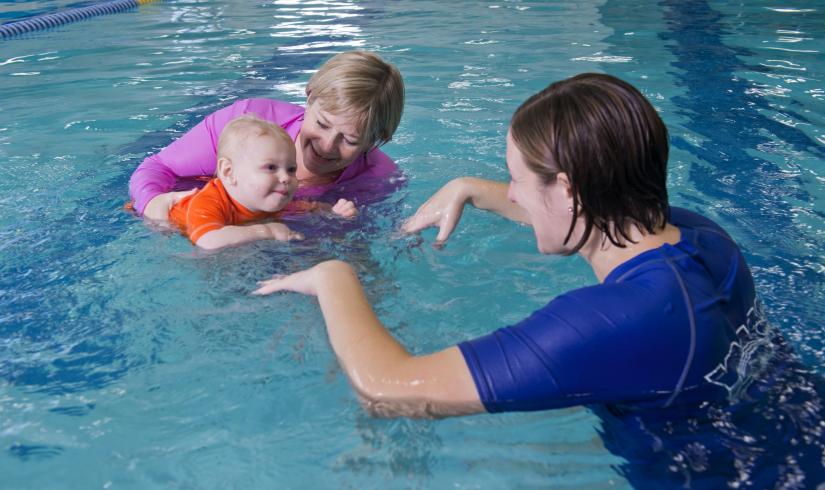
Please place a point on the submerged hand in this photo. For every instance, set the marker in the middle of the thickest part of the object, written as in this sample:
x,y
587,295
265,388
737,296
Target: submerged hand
x,y
345,208
158,208
279,231
443,210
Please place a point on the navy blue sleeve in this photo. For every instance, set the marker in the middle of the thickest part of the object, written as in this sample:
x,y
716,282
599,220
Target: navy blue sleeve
x,y
582,348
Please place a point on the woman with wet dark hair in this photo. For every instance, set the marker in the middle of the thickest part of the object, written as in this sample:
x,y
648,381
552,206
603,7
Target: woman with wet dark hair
x,y
587,158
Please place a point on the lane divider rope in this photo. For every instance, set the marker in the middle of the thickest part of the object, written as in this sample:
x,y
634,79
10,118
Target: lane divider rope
x,y
48,21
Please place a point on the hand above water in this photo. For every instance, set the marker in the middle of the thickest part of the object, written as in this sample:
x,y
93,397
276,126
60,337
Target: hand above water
x,y
442,210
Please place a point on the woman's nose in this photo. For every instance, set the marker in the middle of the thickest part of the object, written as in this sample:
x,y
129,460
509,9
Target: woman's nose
x,y
328,144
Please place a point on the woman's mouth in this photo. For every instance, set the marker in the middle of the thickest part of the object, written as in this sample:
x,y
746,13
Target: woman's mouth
x,y
321,156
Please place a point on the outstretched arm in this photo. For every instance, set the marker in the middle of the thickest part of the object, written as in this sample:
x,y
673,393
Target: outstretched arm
x,y
390,381
444,208
236,235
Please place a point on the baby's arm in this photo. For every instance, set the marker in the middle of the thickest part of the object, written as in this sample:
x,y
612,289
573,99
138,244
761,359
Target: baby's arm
x,y
236,235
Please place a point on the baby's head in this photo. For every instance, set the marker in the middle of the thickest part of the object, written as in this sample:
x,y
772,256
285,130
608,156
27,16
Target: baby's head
x,y
256,164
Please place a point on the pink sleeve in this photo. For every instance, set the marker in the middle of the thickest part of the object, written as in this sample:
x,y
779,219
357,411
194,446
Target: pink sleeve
x,y
381,165
194,153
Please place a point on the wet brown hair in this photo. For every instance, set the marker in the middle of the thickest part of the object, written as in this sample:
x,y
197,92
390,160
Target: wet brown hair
x,y
613,146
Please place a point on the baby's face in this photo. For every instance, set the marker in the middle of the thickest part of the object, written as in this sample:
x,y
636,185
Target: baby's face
x,y
264,169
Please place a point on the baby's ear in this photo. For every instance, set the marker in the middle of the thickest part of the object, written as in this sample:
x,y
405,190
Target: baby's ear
x,y
224,171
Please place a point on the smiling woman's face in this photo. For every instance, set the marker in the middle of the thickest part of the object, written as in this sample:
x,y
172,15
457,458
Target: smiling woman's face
x,y
327,142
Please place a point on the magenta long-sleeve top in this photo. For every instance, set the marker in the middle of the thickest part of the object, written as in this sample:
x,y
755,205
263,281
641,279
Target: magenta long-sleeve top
x,y
195,153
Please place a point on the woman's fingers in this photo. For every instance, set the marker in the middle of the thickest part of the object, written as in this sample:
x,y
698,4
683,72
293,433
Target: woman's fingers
x,y
179,195
445,219
271,286
447,224
423,218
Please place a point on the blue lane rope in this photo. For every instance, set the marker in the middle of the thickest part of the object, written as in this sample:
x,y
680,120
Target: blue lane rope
x,y
67,16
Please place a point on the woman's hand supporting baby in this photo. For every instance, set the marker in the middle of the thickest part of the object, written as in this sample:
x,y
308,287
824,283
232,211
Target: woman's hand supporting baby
x,y
158,208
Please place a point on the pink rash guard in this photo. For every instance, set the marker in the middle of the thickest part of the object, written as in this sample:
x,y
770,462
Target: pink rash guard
x,y
194,154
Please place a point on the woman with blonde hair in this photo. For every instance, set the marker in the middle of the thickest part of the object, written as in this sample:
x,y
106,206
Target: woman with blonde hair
x,y
354,105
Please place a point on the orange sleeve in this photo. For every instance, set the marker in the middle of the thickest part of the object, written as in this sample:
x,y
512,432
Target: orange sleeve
x,y
205,211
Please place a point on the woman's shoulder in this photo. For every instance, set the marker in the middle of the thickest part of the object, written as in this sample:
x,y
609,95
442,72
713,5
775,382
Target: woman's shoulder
x,y
273,110
684,218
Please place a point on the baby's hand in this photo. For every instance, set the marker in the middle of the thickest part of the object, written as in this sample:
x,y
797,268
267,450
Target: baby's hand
x,y
279,231
345,208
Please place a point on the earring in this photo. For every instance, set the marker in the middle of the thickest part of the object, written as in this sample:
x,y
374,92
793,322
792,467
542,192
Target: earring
x,y
570,209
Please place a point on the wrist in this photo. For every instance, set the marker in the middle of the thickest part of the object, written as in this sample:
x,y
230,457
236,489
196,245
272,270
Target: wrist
x,y
465,189
330,276
334,266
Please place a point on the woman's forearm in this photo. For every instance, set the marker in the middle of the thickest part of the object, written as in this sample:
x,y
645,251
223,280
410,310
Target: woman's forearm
x,y
389,380
491,195
150,179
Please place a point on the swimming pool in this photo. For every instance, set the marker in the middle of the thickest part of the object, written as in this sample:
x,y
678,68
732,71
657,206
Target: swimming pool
x,y
128,360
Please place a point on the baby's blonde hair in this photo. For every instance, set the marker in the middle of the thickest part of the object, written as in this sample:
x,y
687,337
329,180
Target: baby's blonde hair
x,y
243,127
362,84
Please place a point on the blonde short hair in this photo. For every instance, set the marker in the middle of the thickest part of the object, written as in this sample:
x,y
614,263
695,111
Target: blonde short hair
x,y
245,126
362,84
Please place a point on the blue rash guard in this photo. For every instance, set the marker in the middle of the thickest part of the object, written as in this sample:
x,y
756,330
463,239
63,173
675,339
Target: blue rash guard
x,y
658,331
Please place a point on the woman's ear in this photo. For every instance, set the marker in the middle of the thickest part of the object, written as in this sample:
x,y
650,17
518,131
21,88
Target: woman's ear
x,y
563,180
225,172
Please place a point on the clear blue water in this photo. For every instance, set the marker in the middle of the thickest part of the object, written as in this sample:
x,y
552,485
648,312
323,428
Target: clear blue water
x,y
129,360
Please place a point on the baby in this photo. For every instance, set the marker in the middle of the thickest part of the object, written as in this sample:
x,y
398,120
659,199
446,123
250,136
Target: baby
x,y
255,179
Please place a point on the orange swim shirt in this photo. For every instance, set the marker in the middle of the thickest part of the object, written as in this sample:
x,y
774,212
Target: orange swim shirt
x,y
211,209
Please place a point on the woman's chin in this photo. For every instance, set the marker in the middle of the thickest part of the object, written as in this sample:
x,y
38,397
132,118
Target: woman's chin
x,y
320,167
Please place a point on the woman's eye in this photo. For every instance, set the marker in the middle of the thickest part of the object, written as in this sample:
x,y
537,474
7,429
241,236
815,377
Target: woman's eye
x,y
322,125
351,143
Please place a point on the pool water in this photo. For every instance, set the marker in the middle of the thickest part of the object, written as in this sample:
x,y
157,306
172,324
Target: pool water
x,y
130,360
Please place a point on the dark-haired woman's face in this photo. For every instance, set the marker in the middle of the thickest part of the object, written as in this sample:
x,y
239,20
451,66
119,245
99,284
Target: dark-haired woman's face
x,y
548,205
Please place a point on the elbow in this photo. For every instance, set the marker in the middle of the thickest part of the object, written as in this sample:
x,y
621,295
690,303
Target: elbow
x,y
377,403
205,244
383,405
